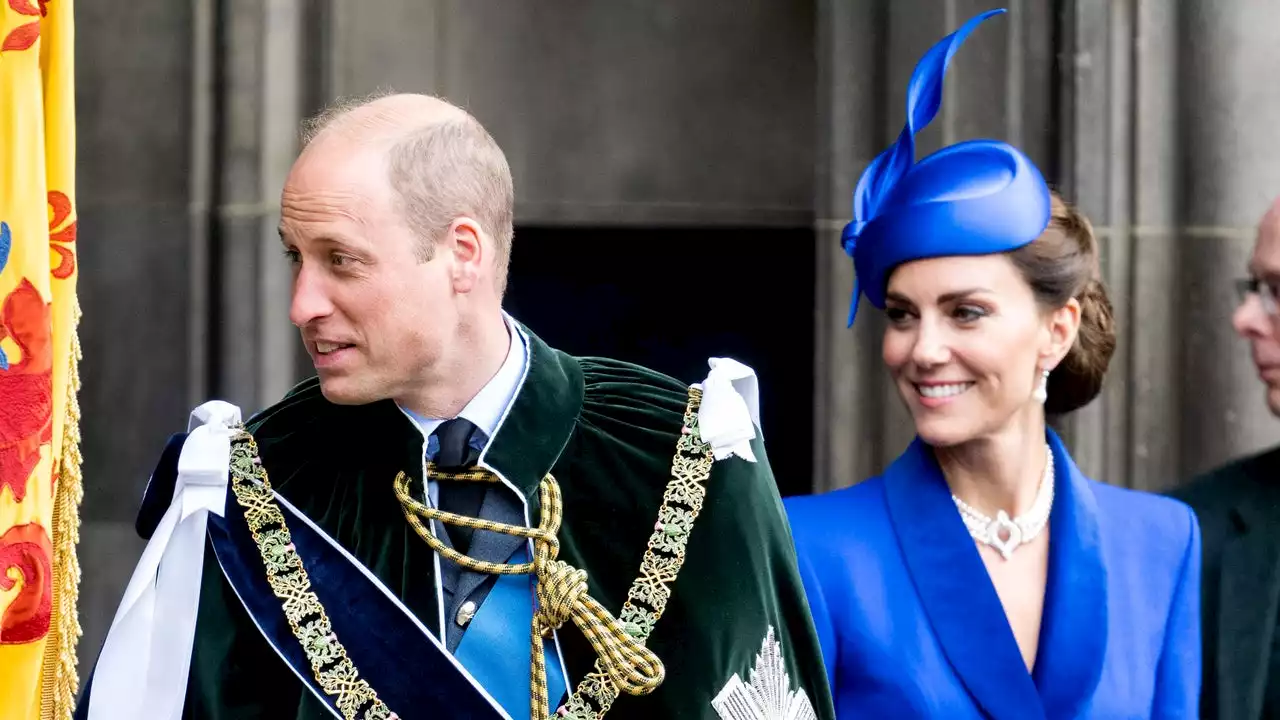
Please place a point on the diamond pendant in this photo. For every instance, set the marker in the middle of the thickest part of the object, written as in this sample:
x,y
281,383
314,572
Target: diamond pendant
x,y
1004,546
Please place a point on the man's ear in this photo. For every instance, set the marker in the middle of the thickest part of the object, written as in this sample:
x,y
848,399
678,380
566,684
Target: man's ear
x,y
466,243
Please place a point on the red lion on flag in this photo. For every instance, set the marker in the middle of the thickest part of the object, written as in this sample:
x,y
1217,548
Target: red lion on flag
x,y
25,384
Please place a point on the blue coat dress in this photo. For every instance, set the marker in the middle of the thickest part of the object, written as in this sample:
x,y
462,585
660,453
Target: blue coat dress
x,y
911,626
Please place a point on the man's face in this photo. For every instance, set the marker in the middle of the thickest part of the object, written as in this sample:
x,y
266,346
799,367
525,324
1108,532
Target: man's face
x,y
374,318
1251,320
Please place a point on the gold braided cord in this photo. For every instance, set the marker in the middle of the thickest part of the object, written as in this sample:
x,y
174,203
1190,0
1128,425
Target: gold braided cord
x,y
59,678
414,511
561,589
334,671
623,663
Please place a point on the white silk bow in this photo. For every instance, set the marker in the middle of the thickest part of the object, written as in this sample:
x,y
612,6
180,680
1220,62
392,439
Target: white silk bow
x,y
730,411
143,667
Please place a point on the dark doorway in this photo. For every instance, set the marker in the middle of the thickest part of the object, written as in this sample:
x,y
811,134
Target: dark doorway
x,y
669,298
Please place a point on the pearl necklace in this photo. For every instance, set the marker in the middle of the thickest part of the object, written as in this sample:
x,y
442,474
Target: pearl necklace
x,y
1005,534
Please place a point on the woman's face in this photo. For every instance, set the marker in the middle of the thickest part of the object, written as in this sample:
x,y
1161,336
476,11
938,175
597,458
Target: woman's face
x,y
965,342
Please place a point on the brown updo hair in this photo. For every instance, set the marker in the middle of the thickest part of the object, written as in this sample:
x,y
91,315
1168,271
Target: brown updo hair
x,y
1059,265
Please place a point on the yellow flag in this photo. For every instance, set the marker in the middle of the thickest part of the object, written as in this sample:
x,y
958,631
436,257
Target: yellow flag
x,y
40,486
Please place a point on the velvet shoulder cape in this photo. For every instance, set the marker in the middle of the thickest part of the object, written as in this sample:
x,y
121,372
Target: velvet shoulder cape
x,y
607,431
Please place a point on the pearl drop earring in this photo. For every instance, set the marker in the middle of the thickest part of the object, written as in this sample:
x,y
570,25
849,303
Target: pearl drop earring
x,y
1042,390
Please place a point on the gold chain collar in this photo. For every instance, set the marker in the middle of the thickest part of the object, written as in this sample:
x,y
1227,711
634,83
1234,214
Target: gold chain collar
x,y
289,581
561,589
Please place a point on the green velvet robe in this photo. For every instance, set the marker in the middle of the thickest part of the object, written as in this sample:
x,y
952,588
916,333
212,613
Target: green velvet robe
x,y
607,431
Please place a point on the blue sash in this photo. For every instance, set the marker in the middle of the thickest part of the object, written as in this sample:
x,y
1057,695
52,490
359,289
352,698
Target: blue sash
x,y
408,667
495,648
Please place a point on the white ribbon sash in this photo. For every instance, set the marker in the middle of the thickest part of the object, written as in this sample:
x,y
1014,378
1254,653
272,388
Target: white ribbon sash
x,y
143,667
730,411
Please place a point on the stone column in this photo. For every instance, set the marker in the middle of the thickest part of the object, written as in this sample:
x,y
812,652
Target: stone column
x,y
1097,147
134,147
259,61
1228,65
1168,143
185,133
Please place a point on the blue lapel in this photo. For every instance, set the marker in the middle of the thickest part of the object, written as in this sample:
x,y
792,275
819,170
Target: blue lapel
x,y
955,590
1073,631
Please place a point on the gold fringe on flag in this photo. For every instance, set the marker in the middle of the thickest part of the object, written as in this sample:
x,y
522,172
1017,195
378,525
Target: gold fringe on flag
x,y
60,678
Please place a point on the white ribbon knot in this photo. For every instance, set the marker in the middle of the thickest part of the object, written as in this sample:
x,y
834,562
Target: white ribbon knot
x,y
143,667
730,413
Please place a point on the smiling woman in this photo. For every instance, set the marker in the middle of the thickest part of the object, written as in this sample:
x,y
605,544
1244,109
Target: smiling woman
x,y
997,325
1020,588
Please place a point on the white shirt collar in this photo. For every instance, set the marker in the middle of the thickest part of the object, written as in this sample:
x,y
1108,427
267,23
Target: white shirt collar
x,y
486,409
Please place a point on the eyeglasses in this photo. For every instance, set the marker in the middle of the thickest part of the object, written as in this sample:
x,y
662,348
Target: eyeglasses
x,y
1267,291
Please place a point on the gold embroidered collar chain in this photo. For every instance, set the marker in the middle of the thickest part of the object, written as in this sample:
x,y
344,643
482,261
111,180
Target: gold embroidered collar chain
x,y
334,671
623,662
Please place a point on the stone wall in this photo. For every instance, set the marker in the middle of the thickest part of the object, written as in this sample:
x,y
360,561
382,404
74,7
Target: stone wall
x,y
627,115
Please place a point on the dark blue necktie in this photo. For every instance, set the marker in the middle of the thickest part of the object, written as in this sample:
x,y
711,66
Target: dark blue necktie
x,y
460,498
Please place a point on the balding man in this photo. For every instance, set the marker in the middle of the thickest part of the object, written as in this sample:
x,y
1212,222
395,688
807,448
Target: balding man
x,y
1239,510
452,519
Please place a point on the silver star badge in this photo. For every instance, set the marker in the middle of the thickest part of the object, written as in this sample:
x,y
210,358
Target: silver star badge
x,y
769,695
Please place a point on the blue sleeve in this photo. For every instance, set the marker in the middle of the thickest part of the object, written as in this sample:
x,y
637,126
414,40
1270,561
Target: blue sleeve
x,y
818,607
1178,674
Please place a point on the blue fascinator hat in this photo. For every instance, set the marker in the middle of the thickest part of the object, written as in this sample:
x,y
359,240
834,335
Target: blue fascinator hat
x,y
973,198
